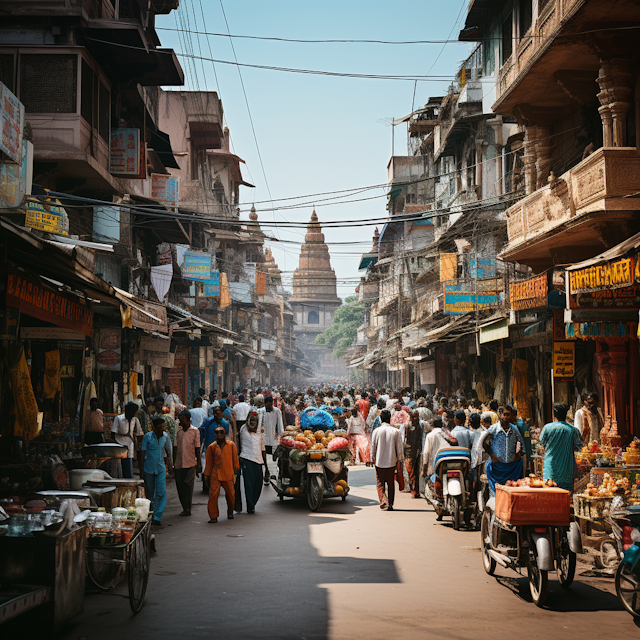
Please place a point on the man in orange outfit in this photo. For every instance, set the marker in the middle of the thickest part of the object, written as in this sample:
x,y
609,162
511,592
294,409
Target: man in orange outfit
x,y
221,470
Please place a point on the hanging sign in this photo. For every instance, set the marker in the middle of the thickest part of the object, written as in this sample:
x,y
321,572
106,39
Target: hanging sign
x,y
165,189
529,294
47,215
458,299
196,266
564,359
212,286
109,350
51,306
11,124
127,157
144,321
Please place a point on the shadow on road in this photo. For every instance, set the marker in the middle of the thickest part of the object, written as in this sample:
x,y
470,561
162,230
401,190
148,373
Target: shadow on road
x,y
580,597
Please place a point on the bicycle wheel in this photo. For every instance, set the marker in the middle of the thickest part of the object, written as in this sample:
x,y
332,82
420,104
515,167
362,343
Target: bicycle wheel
x,y
628,589
138,570
105,568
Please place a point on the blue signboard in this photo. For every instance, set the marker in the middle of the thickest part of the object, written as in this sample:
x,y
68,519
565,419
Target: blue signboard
x,y
197,266
212,287
457,302
486,267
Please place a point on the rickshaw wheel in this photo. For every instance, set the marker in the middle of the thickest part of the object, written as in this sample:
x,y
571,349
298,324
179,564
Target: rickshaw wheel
x,y
138,572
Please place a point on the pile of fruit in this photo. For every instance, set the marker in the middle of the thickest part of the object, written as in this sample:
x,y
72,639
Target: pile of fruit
x,y
340,487
310,441
533,482
608,488
588,453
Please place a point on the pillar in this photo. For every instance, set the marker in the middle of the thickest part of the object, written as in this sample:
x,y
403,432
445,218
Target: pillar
x,y
612,364
529,159
615,80
543,155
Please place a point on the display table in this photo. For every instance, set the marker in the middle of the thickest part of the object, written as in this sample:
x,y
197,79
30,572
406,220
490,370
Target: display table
x,y
43,570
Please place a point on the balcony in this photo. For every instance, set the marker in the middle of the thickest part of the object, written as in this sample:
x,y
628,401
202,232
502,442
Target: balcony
x,y
586,210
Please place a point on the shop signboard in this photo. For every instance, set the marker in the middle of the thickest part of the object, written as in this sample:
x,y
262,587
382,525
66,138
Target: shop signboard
x,y
47,215
11,124
149,343
159,358
109,350
30,297
529,294
211,287
482,266
16,178
127,157
458,299
144,321
50,333
163,255
610,275
165,189
196,266
564,359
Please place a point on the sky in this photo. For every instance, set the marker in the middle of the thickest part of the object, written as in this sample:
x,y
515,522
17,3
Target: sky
x,y
317,134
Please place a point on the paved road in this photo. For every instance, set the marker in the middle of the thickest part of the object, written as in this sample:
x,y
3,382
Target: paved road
x,y
351,571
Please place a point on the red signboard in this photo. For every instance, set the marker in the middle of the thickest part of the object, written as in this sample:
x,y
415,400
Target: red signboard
x,y
51,306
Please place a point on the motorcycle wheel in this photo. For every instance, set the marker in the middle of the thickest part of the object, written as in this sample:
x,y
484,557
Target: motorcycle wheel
x,y
457,516
566,569
538,582
315,491
487,561
628,589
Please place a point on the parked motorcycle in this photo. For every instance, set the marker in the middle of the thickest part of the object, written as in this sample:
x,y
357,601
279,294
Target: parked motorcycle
x,y
449,489
538,548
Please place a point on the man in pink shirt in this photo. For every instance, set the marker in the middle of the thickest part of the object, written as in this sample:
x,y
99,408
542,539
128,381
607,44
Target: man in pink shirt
x,y
187,460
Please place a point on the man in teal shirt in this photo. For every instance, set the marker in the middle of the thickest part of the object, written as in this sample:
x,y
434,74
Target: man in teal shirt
x,y
155,444
560,440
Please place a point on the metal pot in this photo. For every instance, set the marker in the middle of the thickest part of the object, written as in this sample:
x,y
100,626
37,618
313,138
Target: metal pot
x,y
105,450
80,476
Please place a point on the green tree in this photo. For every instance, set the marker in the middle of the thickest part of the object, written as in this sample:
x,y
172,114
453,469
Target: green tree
x,y
346,320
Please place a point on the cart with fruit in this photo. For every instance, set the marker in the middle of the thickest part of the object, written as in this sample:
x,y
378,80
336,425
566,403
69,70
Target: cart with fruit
x,y
311,462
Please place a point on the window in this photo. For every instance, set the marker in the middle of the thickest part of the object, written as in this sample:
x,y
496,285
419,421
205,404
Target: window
x,y
525,16
48,83
313,317
507,41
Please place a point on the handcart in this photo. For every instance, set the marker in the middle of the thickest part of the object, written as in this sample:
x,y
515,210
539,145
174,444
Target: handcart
x,y
107,564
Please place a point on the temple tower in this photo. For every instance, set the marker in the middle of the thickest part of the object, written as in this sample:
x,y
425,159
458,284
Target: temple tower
x,y
315,299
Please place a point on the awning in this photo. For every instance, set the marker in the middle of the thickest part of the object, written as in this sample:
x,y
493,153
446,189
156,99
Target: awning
x,y
611,254
195,321
367,260
234,163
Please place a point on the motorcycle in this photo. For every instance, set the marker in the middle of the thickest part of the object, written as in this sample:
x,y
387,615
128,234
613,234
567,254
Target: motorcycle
x,y
316,475
538,548
449,489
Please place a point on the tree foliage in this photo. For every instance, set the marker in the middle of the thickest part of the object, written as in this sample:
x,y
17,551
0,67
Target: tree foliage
x,y
346,320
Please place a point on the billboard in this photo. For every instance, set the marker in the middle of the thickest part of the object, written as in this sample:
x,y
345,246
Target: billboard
x,y
165,189
47,215
11,124
127,157
196,266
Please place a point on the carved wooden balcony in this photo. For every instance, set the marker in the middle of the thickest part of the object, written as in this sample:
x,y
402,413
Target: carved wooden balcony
x,y
576,216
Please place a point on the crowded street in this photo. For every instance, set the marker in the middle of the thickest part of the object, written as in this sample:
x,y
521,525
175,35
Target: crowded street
x,y
350,571
319,321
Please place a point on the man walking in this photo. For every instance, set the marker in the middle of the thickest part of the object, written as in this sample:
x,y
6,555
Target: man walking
x,y
187,462
220,472
386,452
252,457
125,428
272,429
560,440
153,470
413,453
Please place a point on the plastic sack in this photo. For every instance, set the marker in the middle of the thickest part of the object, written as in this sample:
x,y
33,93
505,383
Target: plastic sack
x,y
287,441
297,457
338,443
312,417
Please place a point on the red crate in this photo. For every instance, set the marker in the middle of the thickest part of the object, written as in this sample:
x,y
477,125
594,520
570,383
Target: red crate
x,y
529,506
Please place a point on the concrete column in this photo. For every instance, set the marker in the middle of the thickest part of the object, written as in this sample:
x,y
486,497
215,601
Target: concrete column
x,y
543,155
615,80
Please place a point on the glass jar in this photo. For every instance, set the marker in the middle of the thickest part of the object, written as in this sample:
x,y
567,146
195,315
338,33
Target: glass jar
x,y
18,526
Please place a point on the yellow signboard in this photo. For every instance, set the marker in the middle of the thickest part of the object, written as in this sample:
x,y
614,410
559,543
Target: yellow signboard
x,y
610,275
564,359
47,215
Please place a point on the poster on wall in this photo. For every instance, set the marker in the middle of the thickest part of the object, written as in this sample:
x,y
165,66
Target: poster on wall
x,y
211,288
127,156
564,359
108,352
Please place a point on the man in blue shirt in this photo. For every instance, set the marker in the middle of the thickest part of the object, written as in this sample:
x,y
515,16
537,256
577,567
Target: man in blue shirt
x,y
465,436
153,470
560,441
